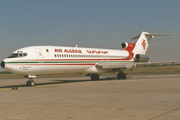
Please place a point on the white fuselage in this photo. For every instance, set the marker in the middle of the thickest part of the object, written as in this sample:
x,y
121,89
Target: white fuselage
x,y
59,59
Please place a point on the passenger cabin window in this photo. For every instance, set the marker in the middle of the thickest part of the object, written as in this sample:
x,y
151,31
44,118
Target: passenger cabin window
x,y
14,55
82,56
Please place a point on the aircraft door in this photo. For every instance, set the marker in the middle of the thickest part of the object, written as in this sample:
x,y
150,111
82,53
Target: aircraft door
x,y
39,53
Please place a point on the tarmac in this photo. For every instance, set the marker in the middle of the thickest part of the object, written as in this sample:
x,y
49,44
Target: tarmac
x,y
140,97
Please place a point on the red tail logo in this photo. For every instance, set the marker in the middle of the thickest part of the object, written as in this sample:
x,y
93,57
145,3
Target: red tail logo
x,y
144,44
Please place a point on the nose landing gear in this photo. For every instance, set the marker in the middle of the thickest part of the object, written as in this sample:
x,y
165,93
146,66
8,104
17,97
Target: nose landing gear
x,y
30,82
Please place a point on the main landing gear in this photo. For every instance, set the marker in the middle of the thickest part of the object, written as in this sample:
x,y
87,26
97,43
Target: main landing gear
x,y
94,76
121,75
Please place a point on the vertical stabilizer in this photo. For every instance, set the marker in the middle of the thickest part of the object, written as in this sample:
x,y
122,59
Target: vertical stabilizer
x,y
143,42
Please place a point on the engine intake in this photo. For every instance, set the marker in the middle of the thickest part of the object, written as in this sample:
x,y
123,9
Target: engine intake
x,y
141,58
124,45
128,46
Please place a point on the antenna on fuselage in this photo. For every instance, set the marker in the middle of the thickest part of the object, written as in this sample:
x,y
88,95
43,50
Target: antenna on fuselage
x,y
76,45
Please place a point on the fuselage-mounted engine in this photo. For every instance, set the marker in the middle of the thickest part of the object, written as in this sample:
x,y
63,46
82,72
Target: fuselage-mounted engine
x,y
141,58
128,46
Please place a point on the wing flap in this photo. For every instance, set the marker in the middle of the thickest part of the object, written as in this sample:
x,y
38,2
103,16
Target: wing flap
x,y
115,65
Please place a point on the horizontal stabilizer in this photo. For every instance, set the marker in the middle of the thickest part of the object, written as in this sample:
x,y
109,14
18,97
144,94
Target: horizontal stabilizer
x,y
151,35
159,34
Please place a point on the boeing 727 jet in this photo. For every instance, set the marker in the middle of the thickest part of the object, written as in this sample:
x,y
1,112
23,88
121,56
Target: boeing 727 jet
x,y
34,60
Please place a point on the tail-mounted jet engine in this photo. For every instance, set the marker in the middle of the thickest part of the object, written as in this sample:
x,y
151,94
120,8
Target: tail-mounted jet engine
x,y
124,45
128,46
141,58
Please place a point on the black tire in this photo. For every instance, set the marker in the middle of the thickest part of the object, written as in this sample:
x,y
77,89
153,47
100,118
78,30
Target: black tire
x,y
97,77
94,77
32,83
28,83
119,76
124,76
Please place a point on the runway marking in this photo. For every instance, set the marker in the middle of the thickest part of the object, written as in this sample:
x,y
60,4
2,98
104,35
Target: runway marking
x,y
168,112
41,86
38,86
5,89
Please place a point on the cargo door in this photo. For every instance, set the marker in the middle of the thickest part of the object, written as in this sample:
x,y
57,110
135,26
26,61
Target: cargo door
x,y
39,53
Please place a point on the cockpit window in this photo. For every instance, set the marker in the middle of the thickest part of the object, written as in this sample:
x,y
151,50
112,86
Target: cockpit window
x,y
14,55
20,55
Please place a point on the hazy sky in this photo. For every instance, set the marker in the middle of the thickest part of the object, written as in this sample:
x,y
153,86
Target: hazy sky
x,y
90,23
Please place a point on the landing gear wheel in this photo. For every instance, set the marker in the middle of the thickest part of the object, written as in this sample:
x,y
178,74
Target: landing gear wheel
x,y
94,76
30,82
124,76
121,76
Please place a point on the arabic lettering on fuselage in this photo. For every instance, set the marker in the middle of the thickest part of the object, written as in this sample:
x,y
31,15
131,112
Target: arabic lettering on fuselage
x,y
97,52
68,51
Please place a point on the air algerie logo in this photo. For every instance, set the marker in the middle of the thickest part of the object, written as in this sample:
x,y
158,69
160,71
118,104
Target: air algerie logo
x,y
144,44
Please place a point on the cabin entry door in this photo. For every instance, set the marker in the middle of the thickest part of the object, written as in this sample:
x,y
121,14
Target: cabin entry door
x,y
39,53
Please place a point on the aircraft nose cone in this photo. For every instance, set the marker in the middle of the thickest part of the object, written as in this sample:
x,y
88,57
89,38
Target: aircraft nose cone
x,y
2,64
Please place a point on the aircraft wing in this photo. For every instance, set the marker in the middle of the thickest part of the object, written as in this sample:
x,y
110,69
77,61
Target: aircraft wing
x,y
161,62
127,65
115,65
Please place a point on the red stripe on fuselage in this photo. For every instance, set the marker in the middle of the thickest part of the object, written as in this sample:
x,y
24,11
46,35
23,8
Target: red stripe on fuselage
x,y
128,58
56,64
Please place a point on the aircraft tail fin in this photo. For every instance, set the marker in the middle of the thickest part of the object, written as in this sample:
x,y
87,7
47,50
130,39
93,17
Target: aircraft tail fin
x,y
142,43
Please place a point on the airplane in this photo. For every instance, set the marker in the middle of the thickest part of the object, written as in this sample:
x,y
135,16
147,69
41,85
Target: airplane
x,y
34,60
